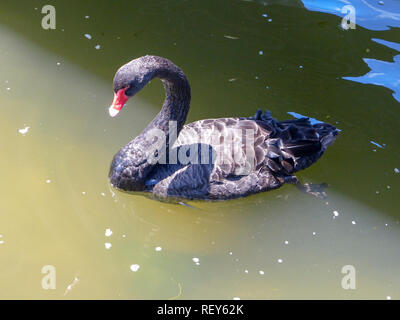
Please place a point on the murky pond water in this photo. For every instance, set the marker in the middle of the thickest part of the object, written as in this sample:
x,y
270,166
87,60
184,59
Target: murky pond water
x,y
58,140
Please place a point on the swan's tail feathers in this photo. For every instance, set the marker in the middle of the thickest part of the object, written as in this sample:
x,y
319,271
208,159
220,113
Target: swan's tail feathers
x,y
300,132
301,137
327,134
299,142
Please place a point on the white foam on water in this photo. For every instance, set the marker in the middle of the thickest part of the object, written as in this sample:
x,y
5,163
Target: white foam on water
x,y
134,267
24,131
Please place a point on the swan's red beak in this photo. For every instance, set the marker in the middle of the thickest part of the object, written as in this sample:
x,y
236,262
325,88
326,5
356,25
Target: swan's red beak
x,y
120,98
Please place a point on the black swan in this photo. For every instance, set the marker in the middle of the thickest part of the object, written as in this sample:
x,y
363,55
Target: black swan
x,y
274,151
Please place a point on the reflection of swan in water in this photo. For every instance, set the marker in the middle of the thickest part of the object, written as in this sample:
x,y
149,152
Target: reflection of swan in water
x,y
276,150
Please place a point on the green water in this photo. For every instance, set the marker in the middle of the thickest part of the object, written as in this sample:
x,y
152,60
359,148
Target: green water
x,y
56,202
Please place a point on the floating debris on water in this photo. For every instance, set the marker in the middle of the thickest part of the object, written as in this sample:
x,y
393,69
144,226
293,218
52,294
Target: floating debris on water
x,y
381,3
87,17
83,192
269,20
97,47
335,214
236,298
231,37
353,222
388,298
286,242
396,170
265,15
24,131
261,272
196,260
71,286
314,233
108,232
48,181
103,194
186,205
246,271
280,260
107,245
260,52
158,248
378,145
88,36
134,267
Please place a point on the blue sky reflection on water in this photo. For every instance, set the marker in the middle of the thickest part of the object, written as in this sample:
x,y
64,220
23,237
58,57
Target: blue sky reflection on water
x,y
375,16
383,73
370,14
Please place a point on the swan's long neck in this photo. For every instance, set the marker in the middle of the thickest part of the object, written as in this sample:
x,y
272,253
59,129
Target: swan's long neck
x,y
131,165
176,103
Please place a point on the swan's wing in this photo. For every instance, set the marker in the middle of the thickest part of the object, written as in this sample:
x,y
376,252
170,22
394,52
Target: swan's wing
x,y
252,155
236,143
238,169
285,147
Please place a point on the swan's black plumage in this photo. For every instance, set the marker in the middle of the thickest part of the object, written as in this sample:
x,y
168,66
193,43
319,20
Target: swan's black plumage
x,y
278,150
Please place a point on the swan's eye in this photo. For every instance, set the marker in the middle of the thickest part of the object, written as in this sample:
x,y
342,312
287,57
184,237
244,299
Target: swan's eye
x,y
128,90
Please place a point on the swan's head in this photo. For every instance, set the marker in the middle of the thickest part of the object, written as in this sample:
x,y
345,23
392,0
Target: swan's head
x,y
129,80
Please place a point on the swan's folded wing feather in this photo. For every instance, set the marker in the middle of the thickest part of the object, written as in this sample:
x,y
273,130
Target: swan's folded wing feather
x,y
275,152
237,144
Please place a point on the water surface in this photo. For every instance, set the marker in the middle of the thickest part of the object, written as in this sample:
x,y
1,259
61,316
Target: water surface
x,y
55,87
